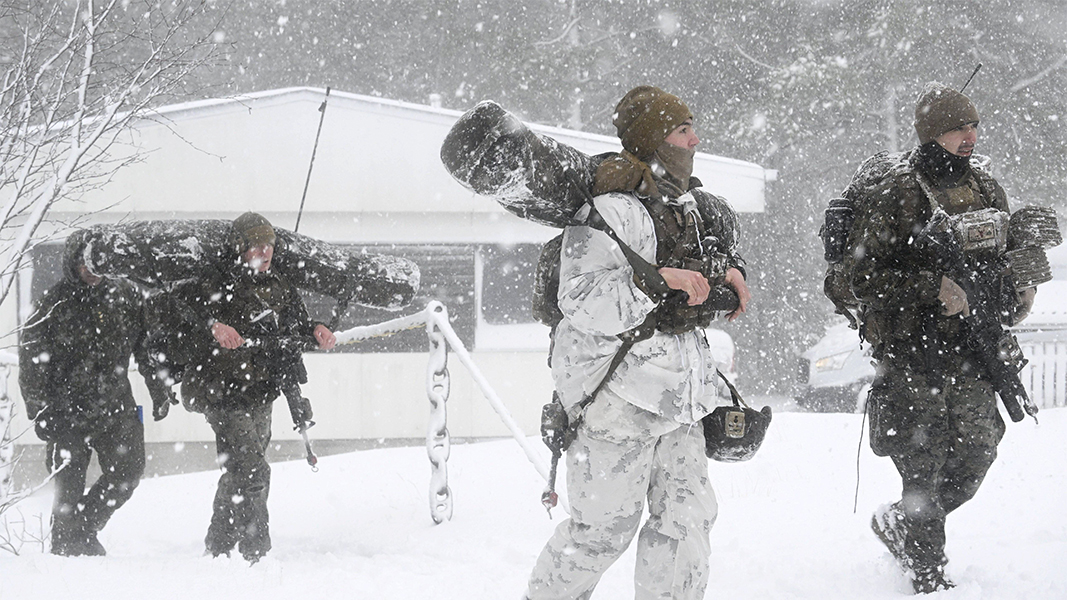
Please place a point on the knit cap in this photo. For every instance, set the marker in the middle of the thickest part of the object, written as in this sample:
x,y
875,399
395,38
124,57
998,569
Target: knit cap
x,y
645,116
251,230
940,109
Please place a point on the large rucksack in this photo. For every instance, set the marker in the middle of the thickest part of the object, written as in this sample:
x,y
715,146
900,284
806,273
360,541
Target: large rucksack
x,y
836,231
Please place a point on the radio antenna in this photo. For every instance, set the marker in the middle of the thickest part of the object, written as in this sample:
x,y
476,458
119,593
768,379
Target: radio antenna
x,y
311,165
971,77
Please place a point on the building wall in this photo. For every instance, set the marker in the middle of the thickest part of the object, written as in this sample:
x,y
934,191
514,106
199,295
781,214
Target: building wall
x,y
377,180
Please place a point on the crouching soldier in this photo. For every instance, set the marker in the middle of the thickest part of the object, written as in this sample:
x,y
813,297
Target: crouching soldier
x,y
243,331
73,360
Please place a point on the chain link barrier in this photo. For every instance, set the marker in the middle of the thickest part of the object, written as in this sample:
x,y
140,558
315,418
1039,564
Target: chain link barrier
x,y
438,443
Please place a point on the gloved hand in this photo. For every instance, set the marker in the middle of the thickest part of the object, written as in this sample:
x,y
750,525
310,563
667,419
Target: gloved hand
x,y
1025,304
162,397
953,298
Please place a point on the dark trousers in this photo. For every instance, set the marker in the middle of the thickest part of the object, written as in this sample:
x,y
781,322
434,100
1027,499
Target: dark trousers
x,y
942,433
239,512
120,451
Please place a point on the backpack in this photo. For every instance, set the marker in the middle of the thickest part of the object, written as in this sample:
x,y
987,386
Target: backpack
x,y
838,226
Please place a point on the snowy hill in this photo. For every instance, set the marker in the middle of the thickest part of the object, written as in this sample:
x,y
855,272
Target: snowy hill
x,y
360,528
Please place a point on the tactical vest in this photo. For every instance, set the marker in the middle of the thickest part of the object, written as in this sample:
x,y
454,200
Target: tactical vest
x,y
838,233
680,243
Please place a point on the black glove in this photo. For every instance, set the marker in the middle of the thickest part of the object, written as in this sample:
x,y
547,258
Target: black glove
x,y
162,398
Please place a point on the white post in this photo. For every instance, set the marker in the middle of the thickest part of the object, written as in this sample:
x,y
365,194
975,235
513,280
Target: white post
x,y
437,440
535,458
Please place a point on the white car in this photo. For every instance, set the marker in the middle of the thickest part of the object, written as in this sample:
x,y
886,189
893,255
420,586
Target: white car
x,y
836,373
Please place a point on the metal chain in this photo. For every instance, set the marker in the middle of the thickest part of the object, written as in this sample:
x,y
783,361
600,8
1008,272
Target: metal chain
x,y
437,440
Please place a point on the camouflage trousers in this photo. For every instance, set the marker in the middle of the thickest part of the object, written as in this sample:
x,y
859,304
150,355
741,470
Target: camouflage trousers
x,y
624,456
942,433
239,510
119,449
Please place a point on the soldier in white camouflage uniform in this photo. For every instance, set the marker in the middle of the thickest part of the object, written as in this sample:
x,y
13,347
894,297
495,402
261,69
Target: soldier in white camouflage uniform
x,y
640,438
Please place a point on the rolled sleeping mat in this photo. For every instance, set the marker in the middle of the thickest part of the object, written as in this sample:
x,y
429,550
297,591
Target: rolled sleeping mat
x,y
1029,267
1034,226
158,253
492,153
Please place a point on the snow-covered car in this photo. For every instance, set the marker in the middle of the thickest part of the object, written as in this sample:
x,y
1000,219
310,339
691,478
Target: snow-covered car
x,y
836,373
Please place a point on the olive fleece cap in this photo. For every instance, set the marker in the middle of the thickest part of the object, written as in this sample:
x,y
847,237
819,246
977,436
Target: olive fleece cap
x,y
644,118
252,230
940,109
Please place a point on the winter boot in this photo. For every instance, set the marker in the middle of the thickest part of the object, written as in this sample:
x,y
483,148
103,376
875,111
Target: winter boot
x,y
930,578
92,546
75,542
888,524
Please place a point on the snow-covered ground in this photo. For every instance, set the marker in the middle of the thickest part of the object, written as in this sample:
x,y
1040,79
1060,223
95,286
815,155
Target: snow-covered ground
x,y
360,528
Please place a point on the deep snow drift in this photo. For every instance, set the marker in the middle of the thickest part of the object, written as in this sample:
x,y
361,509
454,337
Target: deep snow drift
x,y
360,528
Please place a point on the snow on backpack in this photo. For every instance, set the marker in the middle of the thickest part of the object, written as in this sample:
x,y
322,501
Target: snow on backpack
x,y
836,232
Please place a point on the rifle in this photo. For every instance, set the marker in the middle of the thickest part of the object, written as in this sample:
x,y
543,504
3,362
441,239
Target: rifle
x,y
288,349
997,351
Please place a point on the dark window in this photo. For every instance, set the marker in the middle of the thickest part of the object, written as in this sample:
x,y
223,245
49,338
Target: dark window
x,y
446,275
508,283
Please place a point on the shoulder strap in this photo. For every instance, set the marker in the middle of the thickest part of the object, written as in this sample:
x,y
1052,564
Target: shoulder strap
x,y
645,272
738,400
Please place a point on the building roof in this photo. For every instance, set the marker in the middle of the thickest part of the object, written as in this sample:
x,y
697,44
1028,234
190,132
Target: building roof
x,y
374,157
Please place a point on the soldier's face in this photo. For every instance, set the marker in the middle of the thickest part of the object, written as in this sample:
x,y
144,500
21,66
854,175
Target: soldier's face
x,y
258,257
87,276
684,136
961,140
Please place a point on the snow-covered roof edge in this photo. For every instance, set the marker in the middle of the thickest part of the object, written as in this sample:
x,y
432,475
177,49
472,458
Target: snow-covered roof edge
x,y
284,95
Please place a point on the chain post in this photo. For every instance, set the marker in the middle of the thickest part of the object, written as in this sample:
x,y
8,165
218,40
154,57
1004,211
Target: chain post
x,y
437,440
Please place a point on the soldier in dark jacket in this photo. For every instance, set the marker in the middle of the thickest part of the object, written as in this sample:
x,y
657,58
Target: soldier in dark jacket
x,y
241,344
73,360
931,409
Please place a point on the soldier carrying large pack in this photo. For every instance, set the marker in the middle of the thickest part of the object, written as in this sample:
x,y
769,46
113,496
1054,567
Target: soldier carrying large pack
x,y
240,345
74,354
628,341
930,269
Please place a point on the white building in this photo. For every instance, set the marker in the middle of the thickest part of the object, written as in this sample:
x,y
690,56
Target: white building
x,y
378,183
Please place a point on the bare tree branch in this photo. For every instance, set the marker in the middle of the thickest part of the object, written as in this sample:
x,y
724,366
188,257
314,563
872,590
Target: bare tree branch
x,y
1039,76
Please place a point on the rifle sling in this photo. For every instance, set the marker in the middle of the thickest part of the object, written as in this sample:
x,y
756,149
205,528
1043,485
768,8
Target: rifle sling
x,y
646,273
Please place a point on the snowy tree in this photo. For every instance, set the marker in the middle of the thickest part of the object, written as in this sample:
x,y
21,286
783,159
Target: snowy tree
x,y
806,87
76,74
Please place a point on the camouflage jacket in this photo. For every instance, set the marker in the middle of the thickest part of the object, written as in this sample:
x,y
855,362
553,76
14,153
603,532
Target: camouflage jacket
x,y
264,308
889,275
75,350
671,375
